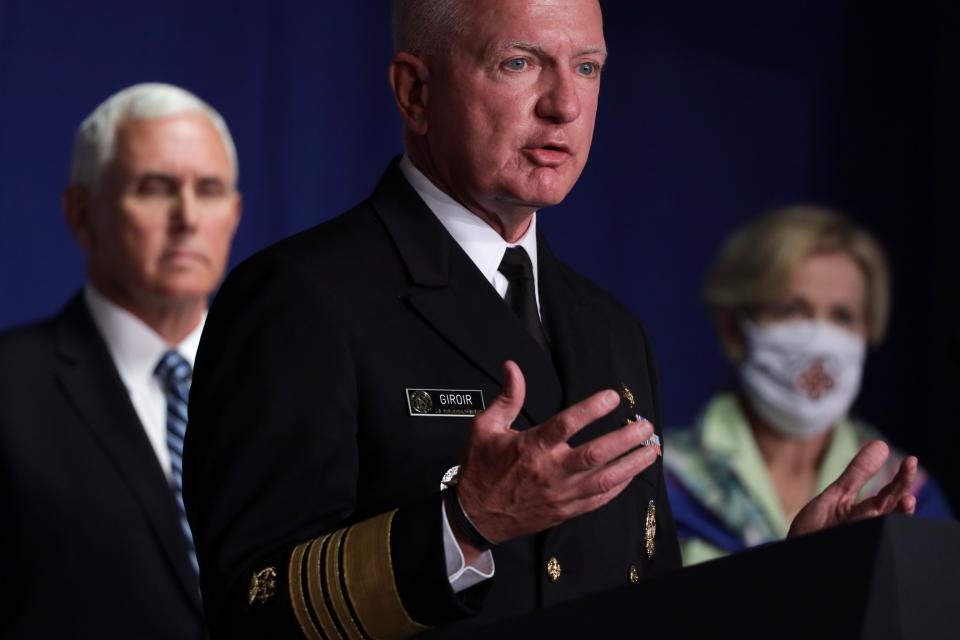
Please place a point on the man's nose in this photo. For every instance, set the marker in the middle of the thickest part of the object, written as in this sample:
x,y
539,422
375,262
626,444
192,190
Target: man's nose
x,y
560,101
186,210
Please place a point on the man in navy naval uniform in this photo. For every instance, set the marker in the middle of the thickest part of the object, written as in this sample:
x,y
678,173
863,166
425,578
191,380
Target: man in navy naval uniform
x,y
95,542
338,481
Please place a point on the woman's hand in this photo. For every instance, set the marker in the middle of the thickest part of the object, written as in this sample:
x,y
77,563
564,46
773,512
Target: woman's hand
x,y
838,504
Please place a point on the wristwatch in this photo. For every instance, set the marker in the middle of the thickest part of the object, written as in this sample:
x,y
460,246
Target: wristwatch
x,y
455,512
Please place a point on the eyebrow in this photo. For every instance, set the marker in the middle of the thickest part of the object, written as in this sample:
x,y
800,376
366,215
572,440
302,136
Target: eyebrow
x,y
534,47
156,175
173,178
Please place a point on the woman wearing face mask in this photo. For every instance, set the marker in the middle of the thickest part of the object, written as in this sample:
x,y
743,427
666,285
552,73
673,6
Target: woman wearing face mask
x,y
797,295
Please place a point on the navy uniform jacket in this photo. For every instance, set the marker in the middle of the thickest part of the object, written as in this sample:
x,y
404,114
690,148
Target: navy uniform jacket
x,y
311,485
90,535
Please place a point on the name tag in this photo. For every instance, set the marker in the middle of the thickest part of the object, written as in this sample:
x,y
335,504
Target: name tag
x,y
463,403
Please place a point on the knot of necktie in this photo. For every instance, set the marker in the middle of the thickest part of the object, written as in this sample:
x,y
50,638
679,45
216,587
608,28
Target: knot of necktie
x,y
173,368
516,265
174,373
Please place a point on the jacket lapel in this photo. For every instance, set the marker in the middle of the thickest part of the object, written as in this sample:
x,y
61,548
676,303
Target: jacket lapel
x,y
451,294
585,353
589,357
89,379
580,346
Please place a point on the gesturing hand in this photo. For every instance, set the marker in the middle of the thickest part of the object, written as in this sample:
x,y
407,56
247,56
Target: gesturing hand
x,y
516,483
838,502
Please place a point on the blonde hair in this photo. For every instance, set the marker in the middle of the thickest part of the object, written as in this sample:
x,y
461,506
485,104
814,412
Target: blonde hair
x,y
754,264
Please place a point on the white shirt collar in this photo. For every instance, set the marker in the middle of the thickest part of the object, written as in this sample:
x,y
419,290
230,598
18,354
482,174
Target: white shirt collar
x,y
480,241
135,347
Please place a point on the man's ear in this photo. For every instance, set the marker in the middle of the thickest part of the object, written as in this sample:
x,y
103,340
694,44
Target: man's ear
x,y
76,209
410,80
237,211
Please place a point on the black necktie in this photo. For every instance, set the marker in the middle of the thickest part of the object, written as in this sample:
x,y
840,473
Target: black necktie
x,y
521,295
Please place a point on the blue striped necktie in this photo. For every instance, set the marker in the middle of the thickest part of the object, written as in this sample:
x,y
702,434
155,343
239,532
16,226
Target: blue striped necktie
x,y
174,374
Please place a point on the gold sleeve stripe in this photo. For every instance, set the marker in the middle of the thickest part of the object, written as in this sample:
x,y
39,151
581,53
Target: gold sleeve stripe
x,y
351,585
370,582
342,584
334,590
314,570
295,579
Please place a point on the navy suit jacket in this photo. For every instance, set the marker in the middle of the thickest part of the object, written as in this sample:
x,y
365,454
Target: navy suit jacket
x,y
91,540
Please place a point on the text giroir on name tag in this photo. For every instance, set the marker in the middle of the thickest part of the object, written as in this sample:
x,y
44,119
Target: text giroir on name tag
x,y
463,403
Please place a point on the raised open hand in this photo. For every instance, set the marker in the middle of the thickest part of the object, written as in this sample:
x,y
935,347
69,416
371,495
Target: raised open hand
x,y
515,483
838,502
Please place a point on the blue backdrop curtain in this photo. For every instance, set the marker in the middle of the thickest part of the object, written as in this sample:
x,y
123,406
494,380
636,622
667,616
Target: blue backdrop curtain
x,y
710,114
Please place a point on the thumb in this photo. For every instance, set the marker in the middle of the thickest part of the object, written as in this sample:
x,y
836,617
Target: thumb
x,y
506,406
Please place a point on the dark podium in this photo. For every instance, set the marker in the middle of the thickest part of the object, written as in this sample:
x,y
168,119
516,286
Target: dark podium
x,y
891,577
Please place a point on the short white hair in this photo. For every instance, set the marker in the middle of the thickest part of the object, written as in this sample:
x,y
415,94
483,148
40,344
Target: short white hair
x,y
94,145
426,26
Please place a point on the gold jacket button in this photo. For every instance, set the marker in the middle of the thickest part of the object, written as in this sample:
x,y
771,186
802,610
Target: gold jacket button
x,y
633,574
553,569
651,532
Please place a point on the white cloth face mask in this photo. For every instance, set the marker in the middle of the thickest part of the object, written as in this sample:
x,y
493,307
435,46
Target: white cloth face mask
x,y
801,376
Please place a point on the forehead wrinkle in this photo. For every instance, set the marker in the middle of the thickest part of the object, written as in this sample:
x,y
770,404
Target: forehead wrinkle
x,y
122,171
522,44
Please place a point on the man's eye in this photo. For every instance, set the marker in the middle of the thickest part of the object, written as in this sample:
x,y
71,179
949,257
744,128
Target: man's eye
x,y
517,64
210,188
587,68
155,186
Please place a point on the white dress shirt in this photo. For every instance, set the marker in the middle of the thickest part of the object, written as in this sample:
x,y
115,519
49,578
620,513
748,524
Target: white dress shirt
x,y
479,240
485,247
136,349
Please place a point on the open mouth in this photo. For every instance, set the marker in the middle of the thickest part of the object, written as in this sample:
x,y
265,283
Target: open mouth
x,y
548,155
